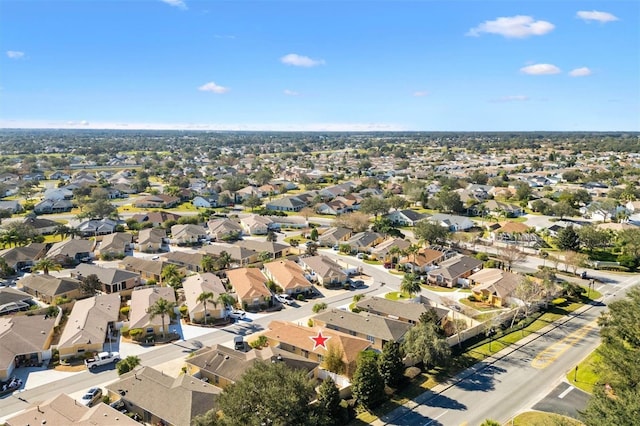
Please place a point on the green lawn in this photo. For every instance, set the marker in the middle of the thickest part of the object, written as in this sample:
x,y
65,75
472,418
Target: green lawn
x,y
396,295
476,305
438,288
586,375
539,418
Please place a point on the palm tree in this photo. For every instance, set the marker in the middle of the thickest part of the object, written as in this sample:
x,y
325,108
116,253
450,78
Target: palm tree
x,y
162,307
413,249
62,230
46,265
226,299
394,251
224,260
171,275
410,285
204,297
208,263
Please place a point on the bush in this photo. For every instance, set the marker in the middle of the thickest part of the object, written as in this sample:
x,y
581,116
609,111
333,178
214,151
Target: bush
x,y
319,307
472,298
259,343
152,282
184,311
310,322
301,297
482,256
136,333
124,311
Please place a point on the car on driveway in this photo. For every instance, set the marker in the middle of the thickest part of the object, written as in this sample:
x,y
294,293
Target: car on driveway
x,y
92,396
356,283
285,299
237,314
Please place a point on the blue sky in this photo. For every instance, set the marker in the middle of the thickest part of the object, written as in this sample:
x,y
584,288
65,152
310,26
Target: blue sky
x,y
321,65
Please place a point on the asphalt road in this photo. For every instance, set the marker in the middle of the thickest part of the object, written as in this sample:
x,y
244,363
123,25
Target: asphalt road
x,y
565,400
515,381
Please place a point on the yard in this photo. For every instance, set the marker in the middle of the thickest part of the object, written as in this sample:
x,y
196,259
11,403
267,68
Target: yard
x,y
586,377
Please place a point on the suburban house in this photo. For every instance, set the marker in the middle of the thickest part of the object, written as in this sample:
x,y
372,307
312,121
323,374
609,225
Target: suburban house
x,y
222,366
141,300
148,269
452,222
384,250
405,217
91,322
287,204
49,288
23,256
378,330
276,250
189,261
256,225
194,286
453,271
188,234
219,229
71,252
159,201
41,225
151,240
323,269
23,339
515,232
64,410
424,260
409,312
249,285
13,206
288,275
162,399
115,245
14,300
95,227
298,339
333,236
502,209
239,255
114,280
494,286
156,218
51,206
364,241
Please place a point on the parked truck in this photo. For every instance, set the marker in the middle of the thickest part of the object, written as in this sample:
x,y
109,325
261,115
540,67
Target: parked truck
x,y
102,358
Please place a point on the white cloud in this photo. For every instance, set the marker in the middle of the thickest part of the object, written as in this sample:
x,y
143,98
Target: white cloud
x,y
420,93
175,3
14,54
595,15
540,69
300,61
213,87
291,92
580,72
519,26
512,98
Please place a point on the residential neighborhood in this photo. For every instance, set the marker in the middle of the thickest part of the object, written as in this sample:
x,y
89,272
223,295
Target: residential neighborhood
x,y
317,264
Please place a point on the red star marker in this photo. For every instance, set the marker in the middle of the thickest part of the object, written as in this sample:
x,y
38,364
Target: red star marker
x,y
319,340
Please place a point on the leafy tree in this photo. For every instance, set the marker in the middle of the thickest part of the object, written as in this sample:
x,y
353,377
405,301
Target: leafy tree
x,y
127,364
5,269
523,191
252,202
268,394
568,239
563,209
162,308
410,285
271,236
45,265
356,221
204,297
619,403
210,418
397,202
90,284
511,254
264,256
233,184
332,361
329,400
375,206
591,237
630,242
430,232
390,364
313,235
367,384
447,201
423,342
263,176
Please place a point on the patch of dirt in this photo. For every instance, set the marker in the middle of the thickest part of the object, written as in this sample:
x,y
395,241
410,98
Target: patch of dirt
x,y
70,368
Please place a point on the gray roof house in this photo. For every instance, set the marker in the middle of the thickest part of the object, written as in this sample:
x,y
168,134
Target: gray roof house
x,y
327,272
409,312
451,271
23,336
113,280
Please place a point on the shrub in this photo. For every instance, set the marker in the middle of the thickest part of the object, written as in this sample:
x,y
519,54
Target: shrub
x,y
482,256
136,333
152,282
300,297
124,311
310,322
472,298
319,307
259,343
184,311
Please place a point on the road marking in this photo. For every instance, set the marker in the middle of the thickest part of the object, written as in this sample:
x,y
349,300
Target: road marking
x,y
566,392
435,418
553,352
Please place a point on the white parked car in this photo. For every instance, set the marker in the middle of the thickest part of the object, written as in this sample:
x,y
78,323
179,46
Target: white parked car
x,y
92,396
237,314
285,298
